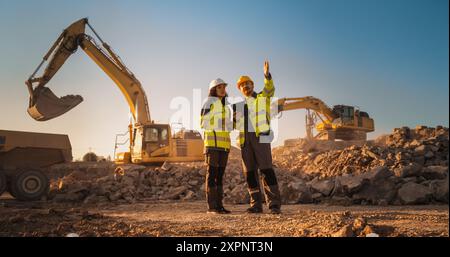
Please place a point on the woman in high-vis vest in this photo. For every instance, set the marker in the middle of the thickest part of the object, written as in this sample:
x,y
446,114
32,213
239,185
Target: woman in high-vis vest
x,y
217,123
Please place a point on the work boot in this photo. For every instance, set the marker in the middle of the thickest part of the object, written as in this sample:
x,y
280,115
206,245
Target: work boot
x,y
224,211
275,210
273,197
213,211
220,207
255,201
254,209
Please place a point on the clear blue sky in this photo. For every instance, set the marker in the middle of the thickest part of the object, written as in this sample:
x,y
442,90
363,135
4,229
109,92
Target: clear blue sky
x,y
389,57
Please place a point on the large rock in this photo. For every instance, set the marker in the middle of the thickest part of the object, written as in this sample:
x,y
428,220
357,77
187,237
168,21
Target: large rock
x,y
440,190
378,173
296,192
376,192
411,170
338,189
351,184
413,193
323,186
420,150
177,193
189,195
435,172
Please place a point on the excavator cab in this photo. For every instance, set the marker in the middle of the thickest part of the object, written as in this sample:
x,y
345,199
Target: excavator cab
x,y
156,140
345,113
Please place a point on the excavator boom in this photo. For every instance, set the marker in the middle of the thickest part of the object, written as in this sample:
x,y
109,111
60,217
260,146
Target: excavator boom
x,y
307,102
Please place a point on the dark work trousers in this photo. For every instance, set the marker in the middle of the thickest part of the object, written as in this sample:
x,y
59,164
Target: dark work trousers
x,y
217,162
258,156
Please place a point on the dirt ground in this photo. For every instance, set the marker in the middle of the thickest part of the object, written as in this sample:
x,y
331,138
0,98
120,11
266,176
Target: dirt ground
x,y
177,218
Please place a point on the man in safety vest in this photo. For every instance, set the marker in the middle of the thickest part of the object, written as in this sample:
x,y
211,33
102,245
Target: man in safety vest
x,y
252,119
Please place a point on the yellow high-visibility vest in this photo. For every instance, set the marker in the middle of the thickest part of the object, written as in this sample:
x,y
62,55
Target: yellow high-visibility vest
x,y
217,124
258,113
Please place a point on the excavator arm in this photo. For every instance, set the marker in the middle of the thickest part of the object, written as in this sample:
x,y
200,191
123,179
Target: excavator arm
x,y
308,102
44,105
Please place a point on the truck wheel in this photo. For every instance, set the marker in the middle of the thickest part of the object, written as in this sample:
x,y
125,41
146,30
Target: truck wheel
x,y
29,185
2,182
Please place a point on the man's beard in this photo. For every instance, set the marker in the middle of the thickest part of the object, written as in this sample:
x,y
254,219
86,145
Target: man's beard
x,y
247,91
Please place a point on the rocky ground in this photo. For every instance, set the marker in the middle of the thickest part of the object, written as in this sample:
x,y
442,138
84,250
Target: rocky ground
x,y
175,218
328,189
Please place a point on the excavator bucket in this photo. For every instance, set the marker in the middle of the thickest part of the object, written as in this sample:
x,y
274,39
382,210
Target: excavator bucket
x,y
45,105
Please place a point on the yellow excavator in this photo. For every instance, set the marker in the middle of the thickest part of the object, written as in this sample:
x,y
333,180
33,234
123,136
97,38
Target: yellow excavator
x,y
340,122
149,142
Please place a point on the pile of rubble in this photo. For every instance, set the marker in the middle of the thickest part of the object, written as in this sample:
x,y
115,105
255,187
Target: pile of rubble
x,y
410,166
126,184
129,183
420,147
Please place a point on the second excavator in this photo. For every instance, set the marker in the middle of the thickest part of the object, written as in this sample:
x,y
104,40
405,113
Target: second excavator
x,y
342,122
149,142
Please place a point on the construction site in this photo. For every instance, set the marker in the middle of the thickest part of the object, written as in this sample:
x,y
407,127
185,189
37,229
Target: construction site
x,y
335,181
385,187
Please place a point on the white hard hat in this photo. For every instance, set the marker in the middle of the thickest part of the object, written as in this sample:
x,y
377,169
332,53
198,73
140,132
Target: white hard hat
x,y
216,82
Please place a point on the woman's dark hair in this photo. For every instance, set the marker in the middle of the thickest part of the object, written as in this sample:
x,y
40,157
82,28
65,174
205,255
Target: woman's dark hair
x,y
213,92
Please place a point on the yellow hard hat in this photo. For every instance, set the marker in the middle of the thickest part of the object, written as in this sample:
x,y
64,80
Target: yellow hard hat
x,y
243,79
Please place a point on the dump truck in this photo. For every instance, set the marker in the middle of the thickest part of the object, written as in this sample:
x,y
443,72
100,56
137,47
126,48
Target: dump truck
x,y
148,142
341,122
24,161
